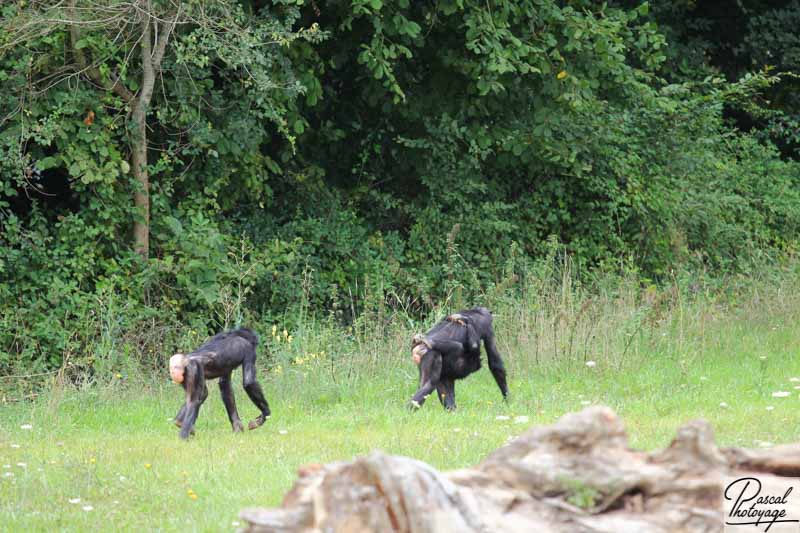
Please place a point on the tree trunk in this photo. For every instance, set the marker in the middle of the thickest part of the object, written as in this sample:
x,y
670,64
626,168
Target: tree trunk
x,y
141,197
578,475
152,51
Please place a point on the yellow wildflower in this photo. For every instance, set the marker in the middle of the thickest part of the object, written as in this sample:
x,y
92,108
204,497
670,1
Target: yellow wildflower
x,y
561,75
147,465
289,339
274,329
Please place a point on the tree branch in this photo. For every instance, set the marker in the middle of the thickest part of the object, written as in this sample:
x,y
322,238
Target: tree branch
x,y
163,38
115,85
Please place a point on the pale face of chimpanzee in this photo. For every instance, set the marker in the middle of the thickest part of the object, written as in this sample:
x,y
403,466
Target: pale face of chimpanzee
x,y
177,367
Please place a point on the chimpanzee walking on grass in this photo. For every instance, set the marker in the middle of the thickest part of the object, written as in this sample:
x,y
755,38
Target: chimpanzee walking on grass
x,y
450,351
218,358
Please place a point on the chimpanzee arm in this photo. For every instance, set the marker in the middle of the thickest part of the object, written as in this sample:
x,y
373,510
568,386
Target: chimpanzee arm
x,y
496,363
181,414
447,393
196,394
430,372
447,347
253,389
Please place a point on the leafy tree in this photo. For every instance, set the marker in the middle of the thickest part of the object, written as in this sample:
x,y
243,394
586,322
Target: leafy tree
x,y
116,54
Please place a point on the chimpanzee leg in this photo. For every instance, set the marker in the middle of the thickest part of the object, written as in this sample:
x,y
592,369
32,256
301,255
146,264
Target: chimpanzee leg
x,y
447,393
226,390
253,390
430,371
196,394
496,364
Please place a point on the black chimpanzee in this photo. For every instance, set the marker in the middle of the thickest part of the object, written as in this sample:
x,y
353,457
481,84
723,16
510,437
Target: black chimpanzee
x,y
217,358
451,350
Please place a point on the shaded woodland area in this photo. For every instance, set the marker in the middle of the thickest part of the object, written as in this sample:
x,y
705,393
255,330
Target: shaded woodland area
x,y
169,165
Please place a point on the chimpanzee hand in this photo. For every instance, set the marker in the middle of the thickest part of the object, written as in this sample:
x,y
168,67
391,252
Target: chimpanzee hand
x,y
180,424
413,405
458,318
419,338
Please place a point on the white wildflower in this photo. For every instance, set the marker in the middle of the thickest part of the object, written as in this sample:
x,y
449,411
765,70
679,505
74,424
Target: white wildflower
x,y
591,364
74,500
502,417
88,508
522,419
723,405
781,394
770,408
26,426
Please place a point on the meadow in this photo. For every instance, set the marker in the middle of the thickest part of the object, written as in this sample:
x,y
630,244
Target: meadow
x,y
104,455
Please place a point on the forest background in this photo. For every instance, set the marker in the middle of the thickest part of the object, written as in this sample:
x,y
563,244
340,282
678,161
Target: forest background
x,y
170,169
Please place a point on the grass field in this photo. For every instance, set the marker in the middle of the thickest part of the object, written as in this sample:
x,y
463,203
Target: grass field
x,y
111,445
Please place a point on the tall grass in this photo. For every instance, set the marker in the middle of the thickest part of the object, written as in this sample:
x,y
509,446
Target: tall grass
x,y
551,316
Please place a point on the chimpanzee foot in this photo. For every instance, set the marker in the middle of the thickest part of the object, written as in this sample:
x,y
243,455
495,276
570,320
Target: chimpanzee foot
x,y
238,427
258,422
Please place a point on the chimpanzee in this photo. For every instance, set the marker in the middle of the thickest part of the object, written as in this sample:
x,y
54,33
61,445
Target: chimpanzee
x,y
451,350
217,358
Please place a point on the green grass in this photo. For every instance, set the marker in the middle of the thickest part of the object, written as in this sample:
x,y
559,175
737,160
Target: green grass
x,y
661,360
96,444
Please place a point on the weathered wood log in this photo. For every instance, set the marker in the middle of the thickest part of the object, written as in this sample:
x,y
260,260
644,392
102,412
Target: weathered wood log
x,y
578,475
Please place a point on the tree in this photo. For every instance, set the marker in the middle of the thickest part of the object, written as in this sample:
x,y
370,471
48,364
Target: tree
x,y
120,49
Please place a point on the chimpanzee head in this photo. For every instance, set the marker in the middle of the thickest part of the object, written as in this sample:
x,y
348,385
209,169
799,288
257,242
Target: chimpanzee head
x,y
418,348
177,367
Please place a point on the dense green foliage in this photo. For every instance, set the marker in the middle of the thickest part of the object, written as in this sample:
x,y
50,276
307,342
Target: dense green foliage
x,y
324,157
